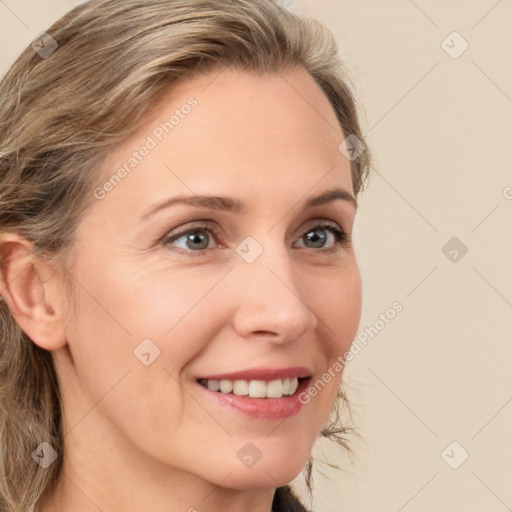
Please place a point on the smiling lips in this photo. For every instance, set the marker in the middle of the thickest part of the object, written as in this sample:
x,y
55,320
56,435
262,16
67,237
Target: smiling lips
x,y
254,388
258,383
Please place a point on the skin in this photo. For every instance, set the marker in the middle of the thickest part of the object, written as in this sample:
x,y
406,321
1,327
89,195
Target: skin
x,y
144,437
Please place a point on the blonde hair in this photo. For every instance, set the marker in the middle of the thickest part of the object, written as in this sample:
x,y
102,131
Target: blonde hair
x,y
59,115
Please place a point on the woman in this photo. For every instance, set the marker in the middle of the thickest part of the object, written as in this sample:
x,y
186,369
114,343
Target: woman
x,y
138,372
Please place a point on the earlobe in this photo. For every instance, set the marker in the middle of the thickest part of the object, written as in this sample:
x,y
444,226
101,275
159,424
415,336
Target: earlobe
x,y
29,292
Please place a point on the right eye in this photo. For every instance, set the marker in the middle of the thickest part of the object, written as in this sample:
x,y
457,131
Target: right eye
x,y
193,240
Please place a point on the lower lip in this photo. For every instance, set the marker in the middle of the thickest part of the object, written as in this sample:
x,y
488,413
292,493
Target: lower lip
x,y
262,408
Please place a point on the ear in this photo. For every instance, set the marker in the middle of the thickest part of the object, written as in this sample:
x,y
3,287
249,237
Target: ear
x,y
27,287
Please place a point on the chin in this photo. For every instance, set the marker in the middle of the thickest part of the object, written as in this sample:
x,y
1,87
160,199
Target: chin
x,y
273,472
261,480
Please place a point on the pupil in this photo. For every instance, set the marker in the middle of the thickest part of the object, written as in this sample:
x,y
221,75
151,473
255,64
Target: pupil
x,y
314,237
196,238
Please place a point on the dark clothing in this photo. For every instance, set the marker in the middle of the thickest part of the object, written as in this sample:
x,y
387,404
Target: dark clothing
x,y
286,501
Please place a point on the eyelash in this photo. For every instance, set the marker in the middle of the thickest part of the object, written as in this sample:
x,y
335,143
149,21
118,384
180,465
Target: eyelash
x,y
342,239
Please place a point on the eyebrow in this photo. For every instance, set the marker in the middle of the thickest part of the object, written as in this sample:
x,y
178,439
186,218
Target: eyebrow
x,y
235,205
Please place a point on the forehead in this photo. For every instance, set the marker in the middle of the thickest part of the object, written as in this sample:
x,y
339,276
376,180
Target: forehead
x,y
241,129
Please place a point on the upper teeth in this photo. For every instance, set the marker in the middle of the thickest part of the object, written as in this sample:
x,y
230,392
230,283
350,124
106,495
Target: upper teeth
x,y
254,388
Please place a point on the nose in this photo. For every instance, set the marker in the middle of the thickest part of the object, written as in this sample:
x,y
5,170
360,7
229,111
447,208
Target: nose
x,y
271,300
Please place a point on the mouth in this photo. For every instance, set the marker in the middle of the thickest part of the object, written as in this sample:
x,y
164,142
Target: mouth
x,y
257,388
271,394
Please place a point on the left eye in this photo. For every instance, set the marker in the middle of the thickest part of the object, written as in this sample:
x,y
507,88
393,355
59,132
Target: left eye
x,y
317,237
198,239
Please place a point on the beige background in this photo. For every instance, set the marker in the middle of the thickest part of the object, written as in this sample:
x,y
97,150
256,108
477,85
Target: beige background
x,y
441,131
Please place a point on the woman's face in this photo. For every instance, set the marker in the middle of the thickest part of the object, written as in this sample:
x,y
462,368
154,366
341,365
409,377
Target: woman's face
x,y
259,286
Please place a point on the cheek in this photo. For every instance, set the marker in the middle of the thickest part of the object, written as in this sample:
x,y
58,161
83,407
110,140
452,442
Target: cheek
x,y
179,312
141,302
178,315
339,309
117,309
